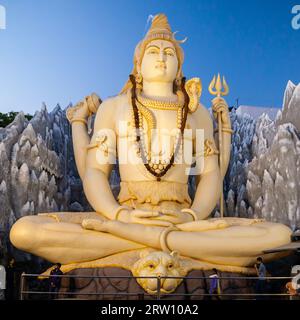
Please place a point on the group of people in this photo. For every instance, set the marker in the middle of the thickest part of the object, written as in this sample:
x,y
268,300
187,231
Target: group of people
x,y
215,287
261,284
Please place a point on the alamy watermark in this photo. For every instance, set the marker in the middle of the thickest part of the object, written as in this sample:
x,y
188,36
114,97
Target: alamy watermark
x,y
296,19
188,148
2,17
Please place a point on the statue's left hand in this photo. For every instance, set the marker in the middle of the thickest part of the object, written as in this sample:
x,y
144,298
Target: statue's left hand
x,y
219,105
83,109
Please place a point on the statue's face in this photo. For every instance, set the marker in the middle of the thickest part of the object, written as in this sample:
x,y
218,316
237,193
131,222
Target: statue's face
x,y
159,63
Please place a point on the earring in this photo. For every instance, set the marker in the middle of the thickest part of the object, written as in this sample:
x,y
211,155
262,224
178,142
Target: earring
x,y
178,82
139,81
138,78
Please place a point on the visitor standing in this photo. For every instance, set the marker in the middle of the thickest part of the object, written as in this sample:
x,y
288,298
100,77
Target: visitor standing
x,y
261,282
55,280
214,286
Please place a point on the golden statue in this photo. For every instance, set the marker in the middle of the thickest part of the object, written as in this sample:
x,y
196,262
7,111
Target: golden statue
x,y
154,210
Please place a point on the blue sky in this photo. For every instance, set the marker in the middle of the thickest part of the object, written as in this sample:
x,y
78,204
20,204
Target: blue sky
x,y
60,51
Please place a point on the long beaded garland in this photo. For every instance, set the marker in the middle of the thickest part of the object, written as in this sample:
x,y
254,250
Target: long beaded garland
x,y
157,170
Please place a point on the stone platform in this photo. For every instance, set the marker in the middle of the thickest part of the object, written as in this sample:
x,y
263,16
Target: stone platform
x,y
117,287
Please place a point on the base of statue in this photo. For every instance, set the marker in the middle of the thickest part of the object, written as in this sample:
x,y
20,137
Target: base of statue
x,y
107,288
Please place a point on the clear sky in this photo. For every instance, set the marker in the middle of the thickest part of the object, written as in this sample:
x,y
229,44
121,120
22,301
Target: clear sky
x,y
57,51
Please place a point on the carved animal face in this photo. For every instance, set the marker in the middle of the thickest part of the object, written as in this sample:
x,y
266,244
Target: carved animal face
x,y
156,264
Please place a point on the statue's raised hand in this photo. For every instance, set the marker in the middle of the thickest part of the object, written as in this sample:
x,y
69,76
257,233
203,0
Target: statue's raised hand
x,y
84,108
79,111
219,105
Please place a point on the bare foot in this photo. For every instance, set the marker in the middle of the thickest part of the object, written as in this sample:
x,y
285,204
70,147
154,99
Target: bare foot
x,y
93,224
203,225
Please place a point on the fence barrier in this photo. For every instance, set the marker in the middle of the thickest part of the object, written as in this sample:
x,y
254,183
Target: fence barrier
x,y
24,293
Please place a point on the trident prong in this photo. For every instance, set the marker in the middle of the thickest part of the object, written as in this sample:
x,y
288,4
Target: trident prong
x,y
218,85
215,88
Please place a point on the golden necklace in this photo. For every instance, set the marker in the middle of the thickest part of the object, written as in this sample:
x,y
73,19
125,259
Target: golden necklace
x,y
161,104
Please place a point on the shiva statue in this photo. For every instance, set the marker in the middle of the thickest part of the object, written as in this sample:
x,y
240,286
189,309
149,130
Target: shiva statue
x,y
146,130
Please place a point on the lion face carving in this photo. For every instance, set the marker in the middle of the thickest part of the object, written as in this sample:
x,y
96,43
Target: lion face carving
x,y
158,264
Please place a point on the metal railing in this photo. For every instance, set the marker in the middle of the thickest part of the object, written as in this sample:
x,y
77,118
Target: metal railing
x,y
24,293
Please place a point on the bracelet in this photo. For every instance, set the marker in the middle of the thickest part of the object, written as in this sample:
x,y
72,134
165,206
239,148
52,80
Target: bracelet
x,y
191,212
163,238
228,130
78,120
117,212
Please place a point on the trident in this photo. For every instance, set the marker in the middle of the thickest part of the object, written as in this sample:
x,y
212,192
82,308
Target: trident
x,y
218,86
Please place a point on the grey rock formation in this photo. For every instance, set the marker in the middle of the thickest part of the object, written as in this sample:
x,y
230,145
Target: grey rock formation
x,y
241,155
37,172
263,177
